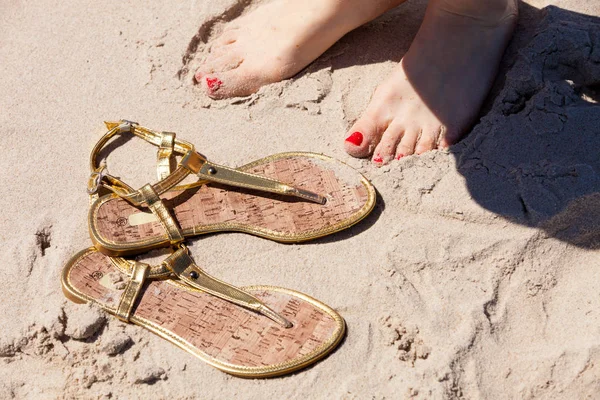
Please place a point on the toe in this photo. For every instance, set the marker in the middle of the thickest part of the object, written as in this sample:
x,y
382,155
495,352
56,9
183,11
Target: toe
x,y
407,144
233,83
218,65
362,138
386,149
428,140
448,137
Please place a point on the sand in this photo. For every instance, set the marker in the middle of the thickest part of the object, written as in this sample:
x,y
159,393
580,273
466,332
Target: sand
x,y
477,276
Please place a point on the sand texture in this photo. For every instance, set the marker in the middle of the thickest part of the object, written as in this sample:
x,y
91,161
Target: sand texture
x,y
477,275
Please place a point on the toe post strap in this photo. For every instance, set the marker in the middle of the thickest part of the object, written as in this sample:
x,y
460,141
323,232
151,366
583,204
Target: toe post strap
x,y
228,176
184,267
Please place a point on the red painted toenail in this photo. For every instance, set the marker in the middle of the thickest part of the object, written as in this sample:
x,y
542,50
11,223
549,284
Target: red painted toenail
x,y
213,84
356,138
378,160
399,156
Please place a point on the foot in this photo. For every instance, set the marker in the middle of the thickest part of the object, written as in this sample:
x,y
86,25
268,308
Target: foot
x,y
279,39
434,95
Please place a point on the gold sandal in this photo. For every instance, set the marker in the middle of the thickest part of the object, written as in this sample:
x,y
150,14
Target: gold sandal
x,y
258,331
320,196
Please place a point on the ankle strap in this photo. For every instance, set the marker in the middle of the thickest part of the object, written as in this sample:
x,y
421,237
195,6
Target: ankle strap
x,y
167,145
191,162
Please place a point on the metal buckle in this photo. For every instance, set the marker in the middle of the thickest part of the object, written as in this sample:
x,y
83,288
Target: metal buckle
x,y
96,178
126,125
193,161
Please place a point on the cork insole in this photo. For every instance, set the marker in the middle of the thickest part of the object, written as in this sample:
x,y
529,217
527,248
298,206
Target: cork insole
x,y
229,337
117,227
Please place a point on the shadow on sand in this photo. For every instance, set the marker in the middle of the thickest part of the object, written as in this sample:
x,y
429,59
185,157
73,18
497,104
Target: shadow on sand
x,y
534,156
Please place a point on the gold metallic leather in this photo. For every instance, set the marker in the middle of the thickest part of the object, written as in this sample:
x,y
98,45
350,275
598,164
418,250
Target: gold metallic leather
x,y
132,290
121,188
154,271
158,208
179,264
136,198
228,176
191,162
184,267
164,155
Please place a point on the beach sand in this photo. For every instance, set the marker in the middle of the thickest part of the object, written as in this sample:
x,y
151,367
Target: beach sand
x,y
477,276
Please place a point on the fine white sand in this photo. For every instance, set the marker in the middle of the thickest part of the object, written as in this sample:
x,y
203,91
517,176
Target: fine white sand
x,y
477,276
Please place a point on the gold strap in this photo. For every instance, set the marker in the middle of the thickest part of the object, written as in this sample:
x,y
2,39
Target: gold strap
x,y
158,208
136,197
149,135
164,155
101,178
191,162
154,271
132,290
182,265
218,173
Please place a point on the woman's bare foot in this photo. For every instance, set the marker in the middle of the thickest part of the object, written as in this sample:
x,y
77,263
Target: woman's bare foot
x,y
279,39
435,94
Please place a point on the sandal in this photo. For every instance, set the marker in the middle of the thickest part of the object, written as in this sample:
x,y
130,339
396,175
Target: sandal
x,y
258,331
320,196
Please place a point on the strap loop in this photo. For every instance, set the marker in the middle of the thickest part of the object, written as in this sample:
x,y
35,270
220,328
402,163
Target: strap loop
x,y
132,290
164,154
157,207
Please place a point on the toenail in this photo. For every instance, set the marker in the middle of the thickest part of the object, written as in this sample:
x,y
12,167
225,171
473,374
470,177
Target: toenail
x,y
356,138
399,156
378,159
213,84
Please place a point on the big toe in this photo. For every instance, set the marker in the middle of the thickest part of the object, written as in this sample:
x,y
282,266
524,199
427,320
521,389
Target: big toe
x,y
218,64
362,138
233,83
